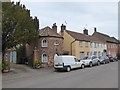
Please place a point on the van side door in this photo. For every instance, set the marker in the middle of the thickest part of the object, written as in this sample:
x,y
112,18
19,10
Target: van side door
x,y
77,64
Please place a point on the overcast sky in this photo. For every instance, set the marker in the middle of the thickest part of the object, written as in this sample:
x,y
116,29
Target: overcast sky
x,y
103,15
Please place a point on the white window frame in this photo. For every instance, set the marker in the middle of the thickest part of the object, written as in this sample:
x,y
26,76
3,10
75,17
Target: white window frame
x,y
44,44
44,61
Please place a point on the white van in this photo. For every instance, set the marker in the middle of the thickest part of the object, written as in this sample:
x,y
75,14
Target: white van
x,y
67,63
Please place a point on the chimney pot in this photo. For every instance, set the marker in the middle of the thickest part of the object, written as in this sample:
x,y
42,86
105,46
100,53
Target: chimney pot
x,y
95,29
54,27
63,27
85,31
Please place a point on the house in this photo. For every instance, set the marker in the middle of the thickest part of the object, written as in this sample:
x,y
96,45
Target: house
x,y
98,46
49,44
75,43
111,42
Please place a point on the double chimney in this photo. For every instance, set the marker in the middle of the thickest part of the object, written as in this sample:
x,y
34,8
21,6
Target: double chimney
x,y
85,31
54,28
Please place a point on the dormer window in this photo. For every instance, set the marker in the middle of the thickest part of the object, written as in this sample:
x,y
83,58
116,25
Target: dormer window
x,y
44,43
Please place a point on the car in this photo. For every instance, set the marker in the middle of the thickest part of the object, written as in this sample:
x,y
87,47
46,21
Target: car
x,y
115,58
67,63
111,58
91,60
104,59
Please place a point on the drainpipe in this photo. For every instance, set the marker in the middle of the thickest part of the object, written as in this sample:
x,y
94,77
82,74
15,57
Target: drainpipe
x,y
71,45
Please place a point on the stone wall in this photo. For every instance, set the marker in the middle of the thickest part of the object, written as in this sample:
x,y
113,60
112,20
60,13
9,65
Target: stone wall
x,y
55,45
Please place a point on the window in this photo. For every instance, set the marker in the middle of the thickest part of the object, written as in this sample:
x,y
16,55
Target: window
x,y
91,44
44,43
81,43
82,55
76,60
44,58
95,53
86,44
99,53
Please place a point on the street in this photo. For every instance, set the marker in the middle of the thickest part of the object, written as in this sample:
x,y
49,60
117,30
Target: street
x,y
103,76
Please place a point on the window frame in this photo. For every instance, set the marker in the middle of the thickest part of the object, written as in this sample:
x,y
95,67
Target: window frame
x,y
44,44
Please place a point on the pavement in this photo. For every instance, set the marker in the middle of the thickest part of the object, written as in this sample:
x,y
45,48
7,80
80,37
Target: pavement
x,y
103,76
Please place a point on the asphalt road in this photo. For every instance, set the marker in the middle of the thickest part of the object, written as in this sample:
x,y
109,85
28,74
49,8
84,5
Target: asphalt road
x,y
103,76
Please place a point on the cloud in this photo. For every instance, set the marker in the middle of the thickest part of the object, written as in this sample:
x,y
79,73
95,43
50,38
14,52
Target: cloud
x,y
77,14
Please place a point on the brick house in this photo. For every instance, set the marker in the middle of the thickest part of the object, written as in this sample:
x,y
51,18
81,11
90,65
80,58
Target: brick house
x,y
111,42
98,46
49,44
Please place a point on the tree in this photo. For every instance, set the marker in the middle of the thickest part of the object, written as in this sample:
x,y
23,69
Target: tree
x,y
19,28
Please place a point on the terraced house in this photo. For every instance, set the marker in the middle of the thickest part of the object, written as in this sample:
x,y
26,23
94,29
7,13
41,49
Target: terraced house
x,y
82,44
111,42
72,43
98,46
77,44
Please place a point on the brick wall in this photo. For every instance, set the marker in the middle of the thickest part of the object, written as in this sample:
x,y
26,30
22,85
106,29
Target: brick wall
x,y
51,49
112,49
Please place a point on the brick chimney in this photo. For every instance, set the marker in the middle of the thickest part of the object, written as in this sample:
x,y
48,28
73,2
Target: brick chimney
x,y
54,27
63,27
85,31
95,29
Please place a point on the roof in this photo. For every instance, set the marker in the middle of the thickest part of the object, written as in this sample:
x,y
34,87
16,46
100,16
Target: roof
x,y
97,39
47,31
104,37
78,36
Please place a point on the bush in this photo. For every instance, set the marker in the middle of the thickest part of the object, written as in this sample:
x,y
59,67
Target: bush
x,y
4,65
38,64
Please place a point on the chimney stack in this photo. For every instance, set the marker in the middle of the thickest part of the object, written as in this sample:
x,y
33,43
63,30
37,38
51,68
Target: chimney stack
x,y
95,29
54,27
85,31
63,27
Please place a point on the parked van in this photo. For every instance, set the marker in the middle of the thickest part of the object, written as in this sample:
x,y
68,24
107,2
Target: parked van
x,y
67,63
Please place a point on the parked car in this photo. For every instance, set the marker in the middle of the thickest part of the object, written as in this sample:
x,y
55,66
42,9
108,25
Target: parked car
x,y
110,58
115,58
67,63
104,59
91,60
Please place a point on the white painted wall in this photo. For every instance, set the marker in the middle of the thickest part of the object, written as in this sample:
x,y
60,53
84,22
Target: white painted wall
x,y
97,47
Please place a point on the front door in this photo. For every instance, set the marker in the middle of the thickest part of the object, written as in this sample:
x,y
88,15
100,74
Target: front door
x,y
13,57
82,55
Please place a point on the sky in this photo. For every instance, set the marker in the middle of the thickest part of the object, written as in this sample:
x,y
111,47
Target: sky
x,y
76,14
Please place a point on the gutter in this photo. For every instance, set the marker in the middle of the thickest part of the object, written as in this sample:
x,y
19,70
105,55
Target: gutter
x,y
71,45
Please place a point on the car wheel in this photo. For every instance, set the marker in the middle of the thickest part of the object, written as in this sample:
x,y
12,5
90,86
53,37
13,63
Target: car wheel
x,y
68,69
104,62
82,66
90,64
98,63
